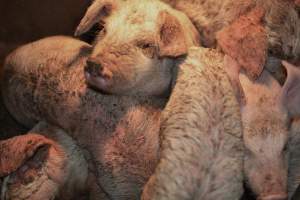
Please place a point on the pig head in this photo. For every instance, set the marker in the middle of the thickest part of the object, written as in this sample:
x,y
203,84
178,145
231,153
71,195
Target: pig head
x,y
267,110
135,49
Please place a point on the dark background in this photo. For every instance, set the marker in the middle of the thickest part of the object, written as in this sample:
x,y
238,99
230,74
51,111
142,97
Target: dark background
x,y
23,21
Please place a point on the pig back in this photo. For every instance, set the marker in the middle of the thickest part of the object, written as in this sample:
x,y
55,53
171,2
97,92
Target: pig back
x,y
44,80
32,72
201,135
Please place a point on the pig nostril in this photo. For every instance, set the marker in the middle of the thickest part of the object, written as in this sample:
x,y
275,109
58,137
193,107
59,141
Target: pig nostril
x,y
95,65
93,68
89,63
88,69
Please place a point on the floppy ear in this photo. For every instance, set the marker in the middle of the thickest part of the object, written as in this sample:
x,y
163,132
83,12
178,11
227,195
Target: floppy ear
x,y
17,150
245,40
290,96
97,11
171,36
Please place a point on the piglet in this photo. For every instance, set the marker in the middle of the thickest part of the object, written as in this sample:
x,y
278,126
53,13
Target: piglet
x,y
201,154
267,109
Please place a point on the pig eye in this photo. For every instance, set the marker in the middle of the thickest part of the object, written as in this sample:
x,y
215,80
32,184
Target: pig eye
x,y
102,33
148,49
145,46
285,148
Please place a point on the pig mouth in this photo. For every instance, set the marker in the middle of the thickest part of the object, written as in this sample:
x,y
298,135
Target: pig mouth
x,y
100,83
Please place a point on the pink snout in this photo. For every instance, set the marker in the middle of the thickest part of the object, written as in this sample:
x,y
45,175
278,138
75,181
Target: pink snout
x,y
274,197
97,76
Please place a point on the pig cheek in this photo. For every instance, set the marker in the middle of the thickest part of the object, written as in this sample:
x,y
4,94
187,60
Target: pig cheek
x,y
122,80
123,73
163,86
130,76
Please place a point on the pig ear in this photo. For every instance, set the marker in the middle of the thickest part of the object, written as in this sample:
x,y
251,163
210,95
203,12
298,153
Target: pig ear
x,y
18,150
232,69
171,36
245,40
97,11
290,96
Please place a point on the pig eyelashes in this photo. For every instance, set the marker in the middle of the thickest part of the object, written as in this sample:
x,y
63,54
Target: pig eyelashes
x,y
96,12
102,33
149,49
98,34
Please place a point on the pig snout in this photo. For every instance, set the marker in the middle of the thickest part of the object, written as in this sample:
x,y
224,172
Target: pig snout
x,y
268,182
282,196
274,190
93,67
97,76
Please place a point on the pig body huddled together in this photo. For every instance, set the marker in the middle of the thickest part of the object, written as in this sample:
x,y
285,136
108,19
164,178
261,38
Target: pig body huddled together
x,y
101,124
119,130
143,102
